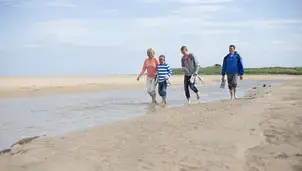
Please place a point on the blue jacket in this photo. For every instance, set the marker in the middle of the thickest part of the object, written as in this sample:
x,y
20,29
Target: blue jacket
x,y
232,65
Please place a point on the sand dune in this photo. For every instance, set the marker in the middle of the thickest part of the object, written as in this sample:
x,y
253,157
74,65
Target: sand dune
x,y
261,131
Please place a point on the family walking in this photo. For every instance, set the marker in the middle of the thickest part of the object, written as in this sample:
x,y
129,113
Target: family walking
x,y
159,73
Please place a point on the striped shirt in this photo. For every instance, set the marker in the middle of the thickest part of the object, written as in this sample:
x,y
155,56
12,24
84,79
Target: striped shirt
x,y
163,70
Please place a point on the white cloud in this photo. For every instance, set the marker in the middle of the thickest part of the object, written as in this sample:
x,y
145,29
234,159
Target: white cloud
x,y
191,2
59,3
119,32
277,42
190,16
196,10
254,23
48,3
203,1
191,19
32,46
9,3
104,32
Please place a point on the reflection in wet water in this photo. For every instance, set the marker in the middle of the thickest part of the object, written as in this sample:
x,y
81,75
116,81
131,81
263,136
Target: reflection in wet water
x,y
59,114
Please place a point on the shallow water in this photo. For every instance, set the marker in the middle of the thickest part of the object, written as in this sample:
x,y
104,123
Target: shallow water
x,y
58,114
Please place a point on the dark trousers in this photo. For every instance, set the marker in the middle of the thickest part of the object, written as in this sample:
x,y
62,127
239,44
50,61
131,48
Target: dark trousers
x,y
188,84
162,88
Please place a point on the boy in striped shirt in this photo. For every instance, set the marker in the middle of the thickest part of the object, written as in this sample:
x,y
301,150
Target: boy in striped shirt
x,y
163,74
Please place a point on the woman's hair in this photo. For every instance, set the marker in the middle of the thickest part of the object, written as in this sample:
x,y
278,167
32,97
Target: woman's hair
x,y
150,51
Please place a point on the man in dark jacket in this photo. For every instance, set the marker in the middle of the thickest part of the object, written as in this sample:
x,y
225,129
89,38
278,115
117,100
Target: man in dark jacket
x,y
232,67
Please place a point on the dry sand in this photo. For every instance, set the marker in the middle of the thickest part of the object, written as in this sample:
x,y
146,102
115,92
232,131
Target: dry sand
x,y
262,131
32,86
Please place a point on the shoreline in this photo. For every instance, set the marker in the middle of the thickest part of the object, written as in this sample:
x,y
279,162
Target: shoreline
x,y
34,86
224,135
135,110
246,92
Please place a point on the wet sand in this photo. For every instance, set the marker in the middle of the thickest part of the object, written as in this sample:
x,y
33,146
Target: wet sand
x,y
58,114
33,86
261,131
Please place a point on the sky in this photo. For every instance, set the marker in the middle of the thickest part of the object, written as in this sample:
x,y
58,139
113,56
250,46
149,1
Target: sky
x,y
99,37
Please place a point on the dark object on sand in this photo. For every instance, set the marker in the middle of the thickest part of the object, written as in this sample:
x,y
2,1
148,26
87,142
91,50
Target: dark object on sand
x,y
25,140
5,151
264,85
254,87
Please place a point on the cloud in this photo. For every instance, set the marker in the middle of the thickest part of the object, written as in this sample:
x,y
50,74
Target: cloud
x,y
277,42
119,32
9,3
189,2
196,10
272,23
47,3
59,3
190,16
32,46
203,1
191,19
80,32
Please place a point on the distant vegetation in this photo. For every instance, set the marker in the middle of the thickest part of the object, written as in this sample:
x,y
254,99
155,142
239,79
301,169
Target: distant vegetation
x,y
216,70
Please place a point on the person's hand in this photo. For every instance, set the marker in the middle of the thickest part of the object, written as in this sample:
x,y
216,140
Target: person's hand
x,y
137,78
166,77
241,77
222,78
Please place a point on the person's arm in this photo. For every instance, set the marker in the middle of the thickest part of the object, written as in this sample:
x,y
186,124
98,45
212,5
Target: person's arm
x,y
156,61
240,66
182,63
224,64
143,70
196,64
169,69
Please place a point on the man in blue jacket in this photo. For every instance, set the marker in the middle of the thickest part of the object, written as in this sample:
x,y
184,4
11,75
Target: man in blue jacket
x,y
232,67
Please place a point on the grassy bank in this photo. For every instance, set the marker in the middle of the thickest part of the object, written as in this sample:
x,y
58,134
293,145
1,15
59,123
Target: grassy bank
x,y
216,70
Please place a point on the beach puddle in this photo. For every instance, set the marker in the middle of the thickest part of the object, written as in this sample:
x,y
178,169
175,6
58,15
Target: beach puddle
x,y
55,115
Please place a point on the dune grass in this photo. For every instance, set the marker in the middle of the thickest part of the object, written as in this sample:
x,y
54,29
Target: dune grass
x,y
216,70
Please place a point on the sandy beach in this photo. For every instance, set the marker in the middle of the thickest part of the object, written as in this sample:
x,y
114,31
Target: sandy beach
x,y
261,131
32,86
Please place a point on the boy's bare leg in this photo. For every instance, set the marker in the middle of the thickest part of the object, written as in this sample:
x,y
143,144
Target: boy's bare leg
x,y
164,102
